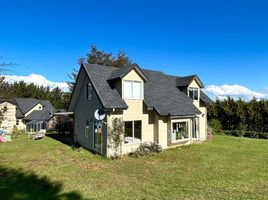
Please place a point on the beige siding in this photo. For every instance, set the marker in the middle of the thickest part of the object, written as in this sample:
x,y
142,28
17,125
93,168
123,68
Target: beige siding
x,y
21,125
9,117
202,117
136,111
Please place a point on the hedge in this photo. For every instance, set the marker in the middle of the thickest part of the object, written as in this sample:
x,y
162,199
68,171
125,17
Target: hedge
x,y
249,134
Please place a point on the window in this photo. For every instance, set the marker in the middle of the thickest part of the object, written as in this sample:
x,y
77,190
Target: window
x,y
195,133
132,90
179,131
87,128
89,91
132,132
40,107
193,93
17,122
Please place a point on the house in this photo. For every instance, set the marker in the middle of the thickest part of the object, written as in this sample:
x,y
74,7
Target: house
x,y
26,114
155,107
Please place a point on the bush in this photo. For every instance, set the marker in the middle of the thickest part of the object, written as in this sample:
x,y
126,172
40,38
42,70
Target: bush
x,y
249,134
216,126
146,148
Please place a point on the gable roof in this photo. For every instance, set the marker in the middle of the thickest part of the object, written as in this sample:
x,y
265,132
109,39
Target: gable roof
x,y
123,71
26,104
187,80
99,76
162,94
159,93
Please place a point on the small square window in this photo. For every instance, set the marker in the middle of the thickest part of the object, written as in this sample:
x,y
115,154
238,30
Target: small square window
x,y
193,93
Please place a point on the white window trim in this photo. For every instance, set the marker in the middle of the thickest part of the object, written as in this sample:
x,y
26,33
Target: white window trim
x,y
198,91
141,89
198,129
189,130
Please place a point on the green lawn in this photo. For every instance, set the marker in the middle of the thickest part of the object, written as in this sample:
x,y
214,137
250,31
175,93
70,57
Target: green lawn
x,y
226,168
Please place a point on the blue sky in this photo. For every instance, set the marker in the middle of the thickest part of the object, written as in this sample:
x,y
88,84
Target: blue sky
x,y
224,42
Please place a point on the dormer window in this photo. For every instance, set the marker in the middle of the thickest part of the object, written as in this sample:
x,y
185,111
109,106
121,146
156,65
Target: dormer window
x,y
132,90
193,93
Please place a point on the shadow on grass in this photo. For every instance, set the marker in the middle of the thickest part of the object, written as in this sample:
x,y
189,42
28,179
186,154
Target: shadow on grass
x,y
16,184
66,139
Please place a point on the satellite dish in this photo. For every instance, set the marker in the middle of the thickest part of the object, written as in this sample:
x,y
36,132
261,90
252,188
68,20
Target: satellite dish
x,y
99,114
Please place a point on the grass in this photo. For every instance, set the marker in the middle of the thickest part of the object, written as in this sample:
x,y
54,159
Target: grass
x,y
226,168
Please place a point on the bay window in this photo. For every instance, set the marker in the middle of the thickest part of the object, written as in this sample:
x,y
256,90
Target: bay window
x,y
179,131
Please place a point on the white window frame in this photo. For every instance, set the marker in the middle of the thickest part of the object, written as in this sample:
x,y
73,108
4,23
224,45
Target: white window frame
x,y
188,122
198,93
196,122
132,97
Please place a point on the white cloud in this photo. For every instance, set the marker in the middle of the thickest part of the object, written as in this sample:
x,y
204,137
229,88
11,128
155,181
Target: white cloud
x,y
235,91
37,79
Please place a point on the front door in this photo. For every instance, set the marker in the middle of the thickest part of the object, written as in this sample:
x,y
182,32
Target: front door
x,y
98,130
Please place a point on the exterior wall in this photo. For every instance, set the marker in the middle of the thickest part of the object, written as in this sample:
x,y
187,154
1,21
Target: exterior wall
x,y
161,130
21,125
136,111
9,116
37,107
202,117
84,110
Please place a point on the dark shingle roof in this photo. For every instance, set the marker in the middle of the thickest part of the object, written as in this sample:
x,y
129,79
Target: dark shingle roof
x,y
99,76
41,115
26,104
205,98
123,71
162,94
159,93
186,81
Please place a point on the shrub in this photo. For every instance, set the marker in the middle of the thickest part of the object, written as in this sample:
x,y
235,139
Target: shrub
x,y
146,148
216,126
16,131
249,134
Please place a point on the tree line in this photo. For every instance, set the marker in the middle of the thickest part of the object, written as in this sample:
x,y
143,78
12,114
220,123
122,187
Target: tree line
x,y
56,96
240,115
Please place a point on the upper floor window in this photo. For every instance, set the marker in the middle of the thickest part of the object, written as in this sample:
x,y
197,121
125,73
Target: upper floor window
x,y
89,91
194,93
132,90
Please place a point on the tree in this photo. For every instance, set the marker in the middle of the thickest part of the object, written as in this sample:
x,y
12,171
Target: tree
x,y
100,57
115,136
